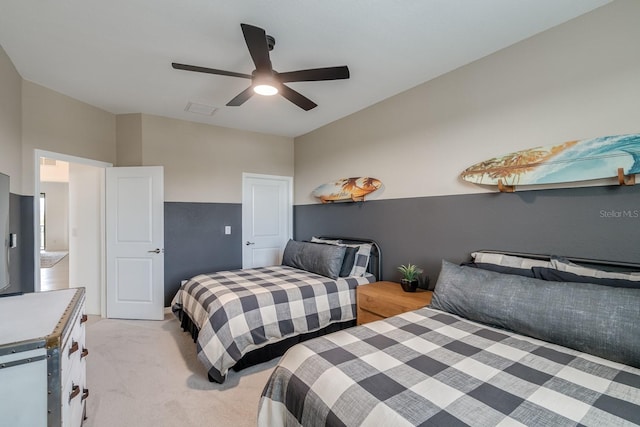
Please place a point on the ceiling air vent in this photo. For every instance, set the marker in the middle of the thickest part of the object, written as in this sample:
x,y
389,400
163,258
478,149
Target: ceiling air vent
x,y
205,110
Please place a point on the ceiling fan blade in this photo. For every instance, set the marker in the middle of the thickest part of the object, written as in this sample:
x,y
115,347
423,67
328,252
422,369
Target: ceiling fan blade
x,y
241,98
297,98
256,40
208,70
315,74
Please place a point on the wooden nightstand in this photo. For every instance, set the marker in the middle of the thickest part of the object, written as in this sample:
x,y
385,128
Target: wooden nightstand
x,y
379,300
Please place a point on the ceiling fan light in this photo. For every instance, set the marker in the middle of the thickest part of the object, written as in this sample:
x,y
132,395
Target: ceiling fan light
x,y
265,89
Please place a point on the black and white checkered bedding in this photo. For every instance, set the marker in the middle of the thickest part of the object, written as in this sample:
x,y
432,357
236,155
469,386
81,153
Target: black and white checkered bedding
x,y
431,368
240,310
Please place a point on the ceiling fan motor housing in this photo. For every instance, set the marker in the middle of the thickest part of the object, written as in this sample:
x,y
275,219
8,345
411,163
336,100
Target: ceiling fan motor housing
x,y
271,42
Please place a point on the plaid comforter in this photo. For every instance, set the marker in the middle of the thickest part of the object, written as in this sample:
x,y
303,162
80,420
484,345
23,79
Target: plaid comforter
x,y
240,310
430,368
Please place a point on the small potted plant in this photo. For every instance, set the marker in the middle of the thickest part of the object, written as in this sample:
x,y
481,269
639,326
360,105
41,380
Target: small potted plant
x,y
410,275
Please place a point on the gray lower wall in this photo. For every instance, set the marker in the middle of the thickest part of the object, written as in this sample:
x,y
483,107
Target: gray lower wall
x,y
195,242
594,222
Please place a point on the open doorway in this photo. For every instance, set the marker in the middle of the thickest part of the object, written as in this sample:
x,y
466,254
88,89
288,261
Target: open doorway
x,y
73,222
54,224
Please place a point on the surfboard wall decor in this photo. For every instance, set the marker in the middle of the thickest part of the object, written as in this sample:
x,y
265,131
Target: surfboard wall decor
x,y
347,189
572,161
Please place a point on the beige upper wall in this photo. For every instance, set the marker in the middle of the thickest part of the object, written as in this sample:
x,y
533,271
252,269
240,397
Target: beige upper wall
x,y
578,80
55,122
10,122
129,139
204,163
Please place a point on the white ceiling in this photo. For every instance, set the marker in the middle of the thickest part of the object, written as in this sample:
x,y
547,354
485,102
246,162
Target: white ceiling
x,y
117,54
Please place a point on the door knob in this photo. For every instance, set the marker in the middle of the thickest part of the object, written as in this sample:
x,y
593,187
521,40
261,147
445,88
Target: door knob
x,y
250,243
155,251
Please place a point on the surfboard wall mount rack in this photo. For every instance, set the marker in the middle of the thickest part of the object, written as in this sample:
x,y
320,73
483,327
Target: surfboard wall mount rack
x,y
625,179
506,188
622,180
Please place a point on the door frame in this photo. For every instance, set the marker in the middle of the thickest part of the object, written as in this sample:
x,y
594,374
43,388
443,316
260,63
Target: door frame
x,y
289,179
36,215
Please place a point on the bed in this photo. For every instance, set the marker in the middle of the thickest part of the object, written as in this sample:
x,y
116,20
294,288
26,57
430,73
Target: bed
x,y
239,318
499,345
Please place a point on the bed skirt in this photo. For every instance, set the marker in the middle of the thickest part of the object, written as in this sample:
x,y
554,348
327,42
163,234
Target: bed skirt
x,y
268,352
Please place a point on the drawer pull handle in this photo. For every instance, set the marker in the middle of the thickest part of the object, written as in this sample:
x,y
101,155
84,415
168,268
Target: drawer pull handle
x,y
84,318
75,390
84,353
74,348
85,393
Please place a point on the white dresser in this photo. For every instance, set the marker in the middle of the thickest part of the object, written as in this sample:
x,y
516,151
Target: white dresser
x,y
43,359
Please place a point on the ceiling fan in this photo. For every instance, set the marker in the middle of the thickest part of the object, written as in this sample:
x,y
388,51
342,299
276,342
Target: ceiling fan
x,y
264,79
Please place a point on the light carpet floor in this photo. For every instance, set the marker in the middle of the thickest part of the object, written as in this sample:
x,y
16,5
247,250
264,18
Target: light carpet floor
x,y
146,373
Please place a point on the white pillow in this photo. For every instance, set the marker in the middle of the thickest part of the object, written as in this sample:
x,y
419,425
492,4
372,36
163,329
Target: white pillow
x,y
566,265
327,241
509,260
362,259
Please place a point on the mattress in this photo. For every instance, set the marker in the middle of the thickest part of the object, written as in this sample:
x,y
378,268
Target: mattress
x,y
238,311
428,367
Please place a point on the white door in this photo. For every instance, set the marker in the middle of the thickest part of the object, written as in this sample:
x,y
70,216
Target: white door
x,y
135,242
267,218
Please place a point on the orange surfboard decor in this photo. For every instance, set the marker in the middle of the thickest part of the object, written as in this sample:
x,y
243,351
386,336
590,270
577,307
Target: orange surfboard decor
x,y
347,189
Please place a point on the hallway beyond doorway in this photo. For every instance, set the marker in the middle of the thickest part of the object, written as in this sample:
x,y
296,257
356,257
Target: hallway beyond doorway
x,y
56,277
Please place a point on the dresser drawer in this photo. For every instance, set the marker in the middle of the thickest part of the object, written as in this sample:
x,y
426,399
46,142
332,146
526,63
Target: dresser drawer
x,y
73,395
74,347
67,404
